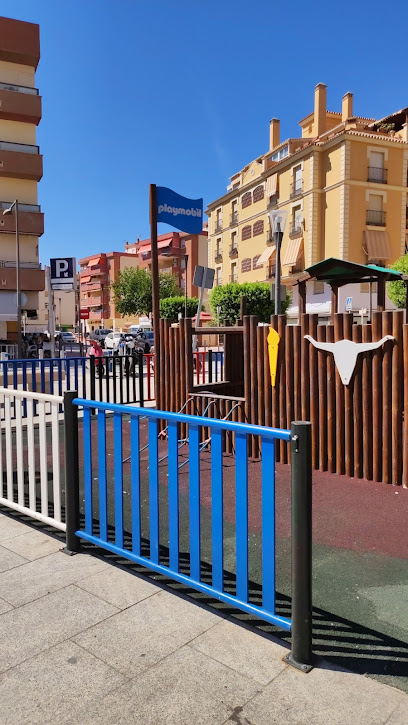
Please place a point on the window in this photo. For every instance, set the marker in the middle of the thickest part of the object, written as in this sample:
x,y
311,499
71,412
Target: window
x,y
234,272
297,221
375,213
297,179
318,287
218,276
218,220
258,194
218,247
258,227
376,171
278,155
246,232
246,199
234,240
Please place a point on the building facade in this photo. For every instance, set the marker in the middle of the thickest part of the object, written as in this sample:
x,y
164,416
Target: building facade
x,y
343,184
97,273
21,169
178,253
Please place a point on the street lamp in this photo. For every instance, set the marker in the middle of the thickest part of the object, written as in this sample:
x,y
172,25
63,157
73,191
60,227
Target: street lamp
x,y
278,223
19,338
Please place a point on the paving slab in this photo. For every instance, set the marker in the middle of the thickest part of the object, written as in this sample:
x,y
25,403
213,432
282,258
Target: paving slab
x,y
31,629
184,689
11,527
118,587
58,681
4,606
325,695
146,632
47,575
8,559
243,650
33,544
400,715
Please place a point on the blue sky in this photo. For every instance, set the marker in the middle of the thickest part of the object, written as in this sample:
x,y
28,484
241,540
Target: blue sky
x,y
180,93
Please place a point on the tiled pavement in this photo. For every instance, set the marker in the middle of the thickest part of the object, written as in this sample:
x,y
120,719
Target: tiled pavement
x,y
83,641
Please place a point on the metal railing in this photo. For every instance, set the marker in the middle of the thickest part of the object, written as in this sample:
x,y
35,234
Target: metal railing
x,y
273,201
218,256
142,445
30,455
19,89
21,207
234,219
296,189
19,147
218,226
375,218
233,252
233,278
377,174
295,229
208,366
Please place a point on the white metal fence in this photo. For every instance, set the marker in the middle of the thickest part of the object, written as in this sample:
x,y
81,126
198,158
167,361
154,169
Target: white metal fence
x,y
30,455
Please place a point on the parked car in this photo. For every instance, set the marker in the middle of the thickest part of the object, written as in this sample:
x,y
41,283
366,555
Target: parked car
x,y
145,340
68,337
112,340
100,335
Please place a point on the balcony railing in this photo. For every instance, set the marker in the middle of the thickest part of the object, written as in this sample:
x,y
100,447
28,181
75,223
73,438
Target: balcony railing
x,y
296,189
21,207
23,148
273,201
218,225
377,174
375,218
269,239
234,219
19,89
296,230
233,277
233,252
270,273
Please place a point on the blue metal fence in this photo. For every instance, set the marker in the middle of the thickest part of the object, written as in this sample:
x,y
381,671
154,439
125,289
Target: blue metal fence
x,y
97,488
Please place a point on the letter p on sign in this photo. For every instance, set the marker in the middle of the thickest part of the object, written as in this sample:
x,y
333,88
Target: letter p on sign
x,y
61,268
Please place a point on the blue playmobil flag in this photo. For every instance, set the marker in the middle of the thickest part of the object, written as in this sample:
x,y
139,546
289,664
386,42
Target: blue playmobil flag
x,y
179,212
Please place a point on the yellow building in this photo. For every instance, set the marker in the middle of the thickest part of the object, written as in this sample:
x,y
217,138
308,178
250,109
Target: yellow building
x,y
20,171
343,184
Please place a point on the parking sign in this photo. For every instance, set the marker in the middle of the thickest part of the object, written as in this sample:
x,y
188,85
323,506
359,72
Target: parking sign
x,y
63,273
349,304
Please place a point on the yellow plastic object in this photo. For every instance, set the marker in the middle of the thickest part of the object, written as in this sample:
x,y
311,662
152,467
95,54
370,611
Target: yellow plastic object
x,y
273,345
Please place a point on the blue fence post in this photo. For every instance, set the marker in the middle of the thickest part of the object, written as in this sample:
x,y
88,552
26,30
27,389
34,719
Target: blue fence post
x,y
71,473
301,459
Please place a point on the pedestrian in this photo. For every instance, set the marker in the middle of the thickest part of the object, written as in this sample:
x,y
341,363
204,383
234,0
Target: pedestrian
x,y
95,351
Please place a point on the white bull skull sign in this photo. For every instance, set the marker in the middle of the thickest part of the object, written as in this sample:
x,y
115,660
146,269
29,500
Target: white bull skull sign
x,y
345,353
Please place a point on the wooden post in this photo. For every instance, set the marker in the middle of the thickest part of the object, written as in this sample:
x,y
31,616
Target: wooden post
x,y
290,363
381,295
397,397
322,384
405,437
331,405
253,324
340,459
267,382
297,381
367,392
348,405
247,369
304,376
377,399
302,298
356,385
282,384
387,400
314,392
155,283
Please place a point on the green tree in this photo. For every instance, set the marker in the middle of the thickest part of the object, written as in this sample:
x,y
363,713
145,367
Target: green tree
x,y
228,297
133,290
396,290
172,306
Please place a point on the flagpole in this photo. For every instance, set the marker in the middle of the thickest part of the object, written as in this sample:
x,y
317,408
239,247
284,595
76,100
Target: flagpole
x,y
155,286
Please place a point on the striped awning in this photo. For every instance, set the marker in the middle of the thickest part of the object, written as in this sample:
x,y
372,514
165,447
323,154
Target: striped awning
x,y
94,262
266,255
293,252
377,245
272,185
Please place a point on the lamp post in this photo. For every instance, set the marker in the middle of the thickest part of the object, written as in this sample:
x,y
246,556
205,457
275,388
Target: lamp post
x,y
18,293
278,223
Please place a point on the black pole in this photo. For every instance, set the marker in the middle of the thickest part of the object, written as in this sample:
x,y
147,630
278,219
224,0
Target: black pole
x,y
155,283
141,379
71,473
301,459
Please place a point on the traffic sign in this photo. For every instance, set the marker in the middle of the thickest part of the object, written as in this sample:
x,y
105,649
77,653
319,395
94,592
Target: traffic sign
x,y
63,272
204,277
84,314
349,304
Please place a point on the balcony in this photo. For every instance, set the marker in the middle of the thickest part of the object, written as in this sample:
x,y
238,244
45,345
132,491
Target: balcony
x,y
233,278
218,257
296,189
32,278
377,174
273,201
20,161
375,218
30,219
269,239
97,271
233,252
270,273
218,226
19,106
233,219
296,230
